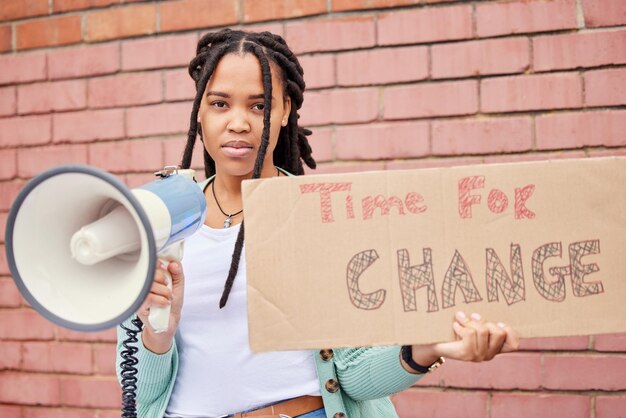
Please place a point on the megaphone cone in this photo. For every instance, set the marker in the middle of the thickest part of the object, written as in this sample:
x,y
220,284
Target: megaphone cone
x,y
82,247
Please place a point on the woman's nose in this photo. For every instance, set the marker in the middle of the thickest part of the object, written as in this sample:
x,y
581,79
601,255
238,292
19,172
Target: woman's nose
x,y
239,121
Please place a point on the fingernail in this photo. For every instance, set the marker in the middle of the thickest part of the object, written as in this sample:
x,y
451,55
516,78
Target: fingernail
x,y
460,315
456,325
175,267
475,317
501,324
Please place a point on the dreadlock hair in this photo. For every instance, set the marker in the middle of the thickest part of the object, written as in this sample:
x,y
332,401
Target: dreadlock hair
x,y
292,148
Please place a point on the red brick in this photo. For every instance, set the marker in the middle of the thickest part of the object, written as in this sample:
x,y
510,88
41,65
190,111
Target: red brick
x,y
6,38
604,12
3,223
84,61
91,392
330,34
32,161
339,106
173,154
431,99
115,413
24,324
8,193
179,85
9,295
104,359
69,5
8,101
382,141
576,343
482,136
58,358
121,22
343,5
8,167
605,87
165,51
421,403
372,66
25,130
158,120
64,334
10,411
493,56
530,92
59,413
89,125
11,357
321,142
133,180
524,16
13,10
63,30
610,406
258,10
425,25
192,14
579,50
52,96
319,70
584,372
509,405
30,389
125,90
21,68
579,129
610,342
124,156
276,28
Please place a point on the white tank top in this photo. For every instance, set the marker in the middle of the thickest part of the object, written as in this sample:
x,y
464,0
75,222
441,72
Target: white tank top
x,y
218,374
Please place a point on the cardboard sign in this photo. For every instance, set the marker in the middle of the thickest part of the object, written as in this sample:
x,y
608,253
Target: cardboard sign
x,y
388,257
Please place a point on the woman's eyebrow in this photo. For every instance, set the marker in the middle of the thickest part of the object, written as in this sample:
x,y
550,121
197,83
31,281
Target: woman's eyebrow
x,y
217,93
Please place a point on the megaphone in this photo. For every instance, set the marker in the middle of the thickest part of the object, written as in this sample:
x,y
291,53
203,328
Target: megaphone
x,y
83,248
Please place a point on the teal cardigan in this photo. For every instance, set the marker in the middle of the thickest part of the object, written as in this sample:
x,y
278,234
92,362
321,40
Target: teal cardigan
x,y
365,377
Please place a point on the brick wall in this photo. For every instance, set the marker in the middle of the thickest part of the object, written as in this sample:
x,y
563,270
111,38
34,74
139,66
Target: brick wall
x,y
391,84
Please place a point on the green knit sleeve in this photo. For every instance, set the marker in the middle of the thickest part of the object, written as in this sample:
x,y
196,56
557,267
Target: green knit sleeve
x,y
372,373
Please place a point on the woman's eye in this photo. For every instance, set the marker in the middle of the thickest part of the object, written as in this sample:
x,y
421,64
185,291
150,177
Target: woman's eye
x,y
218,104
258,106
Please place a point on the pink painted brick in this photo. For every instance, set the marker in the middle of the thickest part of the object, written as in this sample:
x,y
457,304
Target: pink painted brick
x,y
91,392
482,136
173,153
554,52
382,141
493,56
509,405
9,295
319,70
179,85
346,168
84,61
104,359
8,101
57,357
576,343
505,372
30,389
530,92
58,413
524,16
373,66
8,193
579,129
275,28
425,25
431,99
25,130
422,403
568,343
165,51
125,90
158,120
584,372
604,12
339,106
3,223
605,87
610,406
610,342
88,125
63,334
432,163
55,96
330,34
321,142
24,324
32,161
10,411
133,180
136,155
11,357
21,68
8,164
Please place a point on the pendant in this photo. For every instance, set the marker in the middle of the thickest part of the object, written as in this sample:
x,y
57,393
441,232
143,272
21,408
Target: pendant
x,y
227,222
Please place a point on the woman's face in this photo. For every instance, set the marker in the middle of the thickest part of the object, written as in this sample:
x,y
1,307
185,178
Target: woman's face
x,y
231,114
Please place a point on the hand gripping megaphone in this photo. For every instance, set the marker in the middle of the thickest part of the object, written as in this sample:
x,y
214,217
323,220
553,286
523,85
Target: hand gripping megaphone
x,y
83,248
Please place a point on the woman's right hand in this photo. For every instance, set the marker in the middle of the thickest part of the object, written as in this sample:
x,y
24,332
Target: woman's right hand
x,y
161,296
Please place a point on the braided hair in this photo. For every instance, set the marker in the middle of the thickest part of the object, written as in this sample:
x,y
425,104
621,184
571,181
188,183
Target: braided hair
x,y
292,148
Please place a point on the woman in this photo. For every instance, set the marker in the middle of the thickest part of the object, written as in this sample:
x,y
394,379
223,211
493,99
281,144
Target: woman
x,y
249,89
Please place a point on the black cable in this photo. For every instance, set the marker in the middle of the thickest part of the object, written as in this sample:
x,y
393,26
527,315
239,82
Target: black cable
x,y
129,371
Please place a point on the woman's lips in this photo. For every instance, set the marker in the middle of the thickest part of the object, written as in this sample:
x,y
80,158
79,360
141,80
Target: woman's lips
x,y
237,149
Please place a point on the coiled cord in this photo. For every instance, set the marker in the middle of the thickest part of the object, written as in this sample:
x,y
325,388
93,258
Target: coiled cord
x,y
129,371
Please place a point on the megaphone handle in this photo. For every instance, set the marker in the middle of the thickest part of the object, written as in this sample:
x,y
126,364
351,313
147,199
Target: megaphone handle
x,y
159,318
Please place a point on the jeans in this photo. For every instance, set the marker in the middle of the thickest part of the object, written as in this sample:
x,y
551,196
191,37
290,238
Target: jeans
x,y
318,413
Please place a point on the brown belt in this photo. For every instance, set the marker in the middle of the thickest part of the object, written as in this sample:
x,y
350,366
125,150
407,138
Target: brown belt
x,y
290,408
